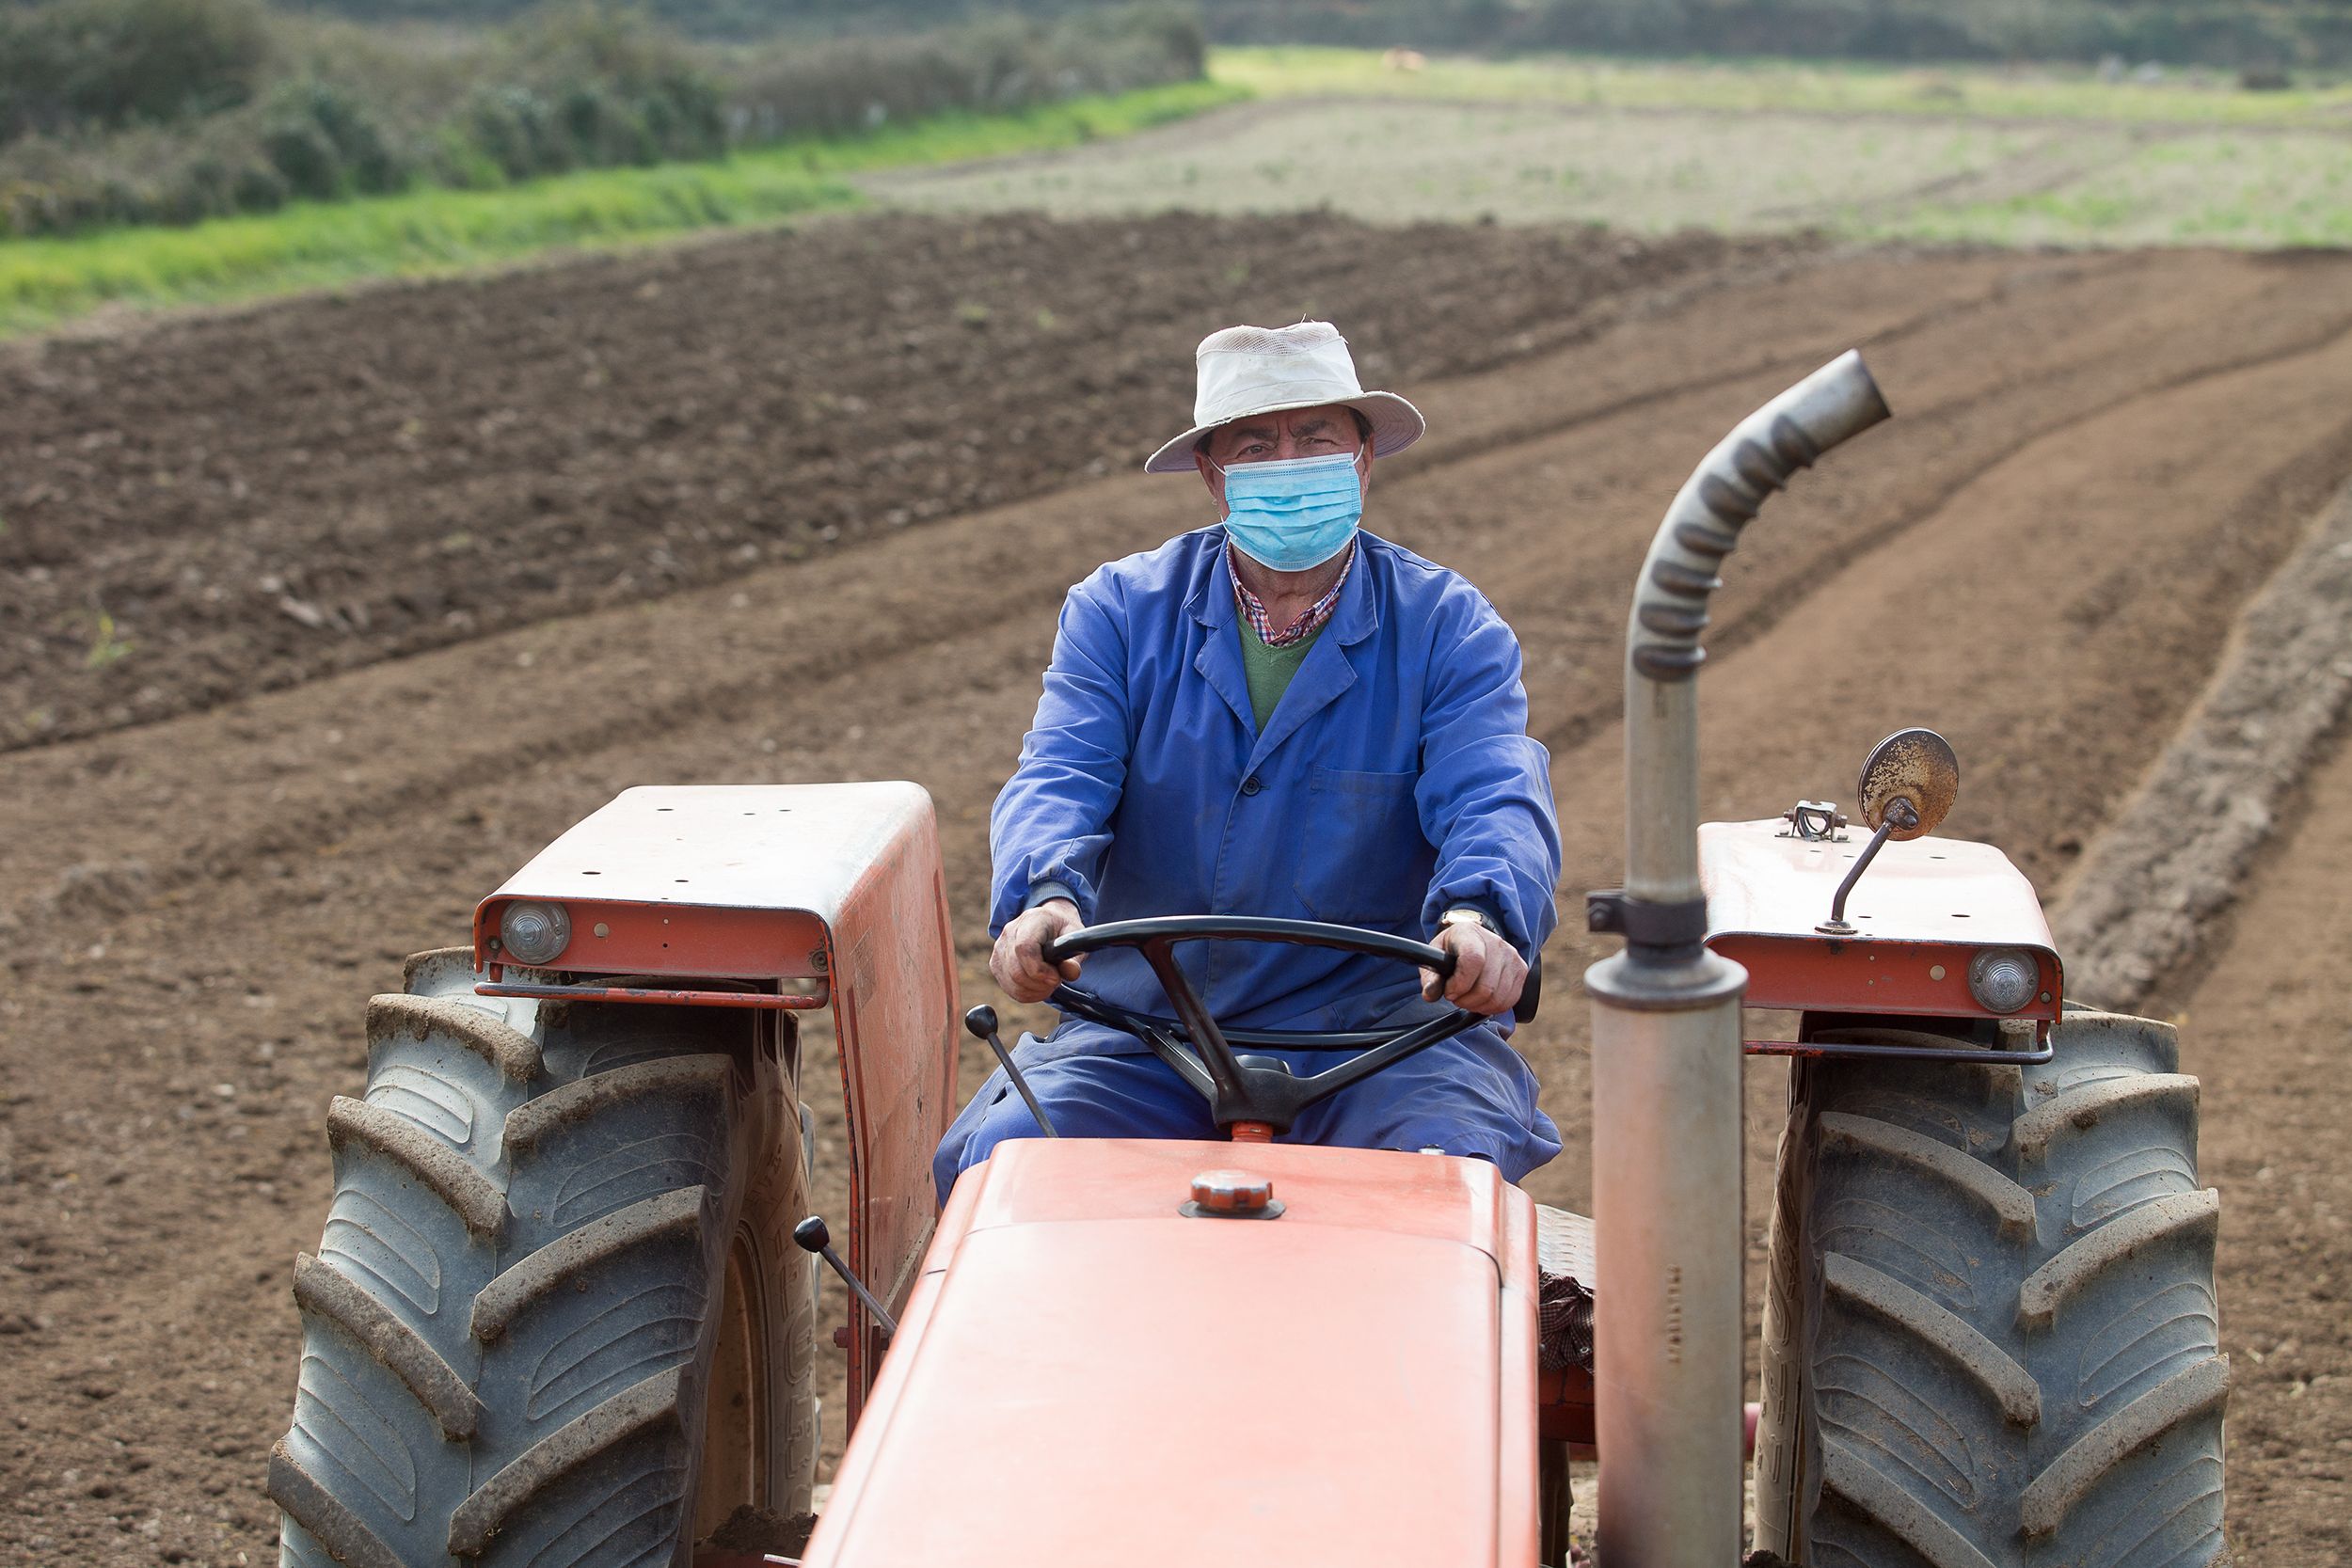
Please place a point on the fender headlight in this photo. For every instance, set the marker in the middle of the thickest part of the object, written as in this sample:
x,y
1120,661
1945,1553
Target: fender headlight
x,y
538,933
2003,979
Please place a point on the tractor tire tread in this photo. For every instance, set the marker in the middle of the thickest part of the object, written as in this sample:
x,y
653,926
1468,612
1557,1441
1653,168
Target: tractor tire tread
x,y
1868,1493
1991,1332
452,1179
2010,1203
529,1123
515,1053
507,1322
1990,1367
2080,1108
321,1290
686,1210
579,1443
2049,1288
2051,1496
343,1533
432,957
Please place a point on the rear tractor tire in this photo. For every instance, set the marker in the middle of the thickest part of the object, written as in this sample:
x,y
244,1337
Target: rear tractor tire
x,y
1991,1338
557,1317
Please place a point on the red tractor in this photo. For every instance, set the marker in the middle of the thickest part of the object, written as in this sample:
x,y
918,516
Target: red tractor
x,y
563,1310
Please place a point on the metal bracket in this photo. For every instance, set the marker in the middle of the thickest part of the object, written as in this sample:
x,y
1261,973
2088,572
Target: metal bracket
x,y
1814,822
1644,924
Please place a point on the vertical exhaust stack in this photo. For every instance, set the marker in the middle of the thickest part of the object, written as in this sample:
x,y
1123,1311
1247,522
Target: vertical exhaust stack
x,y
1670,1327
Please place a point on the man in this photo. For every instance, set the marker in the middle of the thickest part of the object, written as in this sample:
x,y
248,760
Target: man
x,y
1279,714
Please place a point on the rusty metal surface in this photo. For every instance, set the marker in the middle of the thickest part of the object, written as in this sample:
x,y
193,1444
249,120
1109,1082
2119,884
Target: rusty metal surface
x,y
891,957
1863,975
836,883
610,937
1918,765
1941,1049
1926,909
1941,890
751,846
1120,1358
772,1001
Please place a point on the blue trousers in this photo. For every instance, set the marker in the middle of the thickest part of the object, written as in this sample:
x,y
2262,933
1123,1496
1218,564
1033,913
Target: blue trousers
x,y
1471,1095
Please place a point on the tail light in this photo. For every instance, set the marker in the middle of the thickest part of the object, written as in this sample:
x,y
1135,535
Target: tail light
x,y
534,933
2003,979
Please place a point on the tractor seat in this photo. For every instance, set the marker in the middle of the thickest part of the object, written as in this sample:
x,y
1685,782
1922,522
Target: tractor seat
x,y
1563,1314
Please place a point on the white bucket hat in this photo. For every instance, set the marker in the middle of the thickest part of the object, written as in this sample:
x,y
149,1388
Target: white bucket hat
x,y
1261,369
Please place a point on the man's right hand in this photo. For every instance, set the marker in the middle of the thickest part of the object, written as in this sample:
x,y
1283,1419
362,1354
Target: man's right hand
x,y
1019,960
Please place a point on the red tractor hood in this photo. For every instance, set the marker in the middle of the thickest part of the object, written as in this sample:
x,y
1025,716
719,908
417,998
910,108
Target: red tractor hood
x,y
1084,1375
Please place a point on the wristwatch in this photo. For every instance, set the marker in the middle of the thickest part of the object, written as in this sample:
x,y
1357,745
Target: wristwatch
x,y
1461,913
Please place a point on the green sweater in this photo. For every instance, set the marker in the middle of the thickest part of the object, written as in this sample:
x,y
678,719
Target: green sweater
x,y
1269,669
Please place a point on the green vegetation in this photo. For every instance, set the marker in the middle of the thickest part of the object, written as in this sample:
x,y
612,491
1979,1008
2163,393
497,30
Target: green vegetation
x,y
46,280
1781,85
120,112
1867,152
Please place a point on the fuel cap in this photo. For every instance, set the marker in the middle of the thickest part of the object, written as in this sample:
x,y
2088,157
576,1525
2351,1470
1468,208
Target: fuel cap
x,y
1232,1195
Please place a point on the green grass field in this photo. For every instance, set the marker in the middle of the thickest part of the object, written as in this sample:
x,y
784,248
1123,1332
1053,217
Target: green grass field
x,y
2009,158
43,282
1758,86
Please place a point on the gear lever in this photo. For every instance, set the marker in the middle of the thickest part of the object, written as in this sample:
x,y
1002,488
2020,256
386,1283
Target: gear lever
x,y
810,1235
981,1024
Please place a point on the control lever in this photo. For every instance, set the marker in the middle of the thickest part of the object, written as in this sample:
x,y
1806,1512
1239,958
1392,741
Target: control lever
x,y
981,1024
810,1235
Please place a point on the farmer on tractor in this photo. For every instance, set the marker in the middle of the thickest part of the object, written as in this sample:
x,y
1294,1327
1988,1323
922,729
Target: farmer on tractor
x,y
1279,714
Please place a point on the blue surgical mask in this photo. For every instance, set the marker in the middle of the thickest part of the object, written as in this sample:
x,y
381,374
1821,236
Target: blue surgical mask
x,y
1293,512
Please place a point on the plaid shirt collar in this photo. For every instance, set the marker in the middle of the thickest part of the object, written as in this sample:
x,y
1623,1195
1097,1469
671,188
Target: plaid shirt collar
x,y
1306,625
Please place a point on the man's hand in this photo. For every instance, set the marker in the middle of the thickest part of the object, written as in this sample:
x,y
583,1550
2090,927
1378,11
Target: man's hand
x,y
1489,972
1018,960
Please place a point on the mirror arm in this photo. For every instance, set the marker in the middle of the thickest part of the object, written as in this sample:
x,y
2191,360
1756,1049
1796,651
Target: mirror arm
x,y
1899,817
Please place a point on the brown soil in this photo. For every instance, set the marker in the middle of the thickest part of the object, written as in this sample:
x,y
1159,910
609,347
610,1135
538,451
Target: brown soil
x,y
239,503
2096,461
2266,1025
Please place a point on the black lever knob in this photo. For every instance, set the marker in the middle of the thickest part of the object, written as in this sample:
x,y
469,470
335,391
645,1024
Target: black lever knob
x,y
811,1235
981,1024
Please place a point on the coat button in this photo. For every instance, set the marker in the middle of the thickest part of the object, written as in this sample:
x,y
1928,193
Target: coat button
x,y
1251,784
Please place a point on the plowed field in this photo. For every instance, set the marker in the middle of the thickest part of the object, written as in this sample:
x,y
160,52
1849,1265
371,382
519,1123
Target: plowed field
x,y
2096,460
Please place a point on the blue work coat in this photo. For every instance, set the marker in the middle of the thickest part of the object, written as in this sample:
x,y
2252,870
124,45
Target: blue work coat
x,y
1394,780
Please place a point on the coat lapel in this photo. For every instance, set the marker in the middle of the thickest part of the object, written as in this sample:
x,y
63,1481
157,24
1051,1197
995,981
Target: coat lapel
x,y
1220,659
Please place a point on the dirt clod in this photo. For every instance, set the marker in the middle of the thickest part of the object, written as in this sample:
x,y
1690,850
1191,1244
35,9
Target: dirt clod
x,y
754,1530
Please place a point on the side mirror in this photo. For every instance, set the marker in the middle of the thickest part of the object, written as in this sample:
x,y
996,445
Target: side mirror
x,y
1907,785
1916,767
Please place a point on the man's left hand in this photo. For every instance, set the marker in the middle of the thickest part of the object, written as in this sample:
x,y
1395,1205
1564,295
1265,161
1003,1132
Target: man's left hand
x,y
1489,972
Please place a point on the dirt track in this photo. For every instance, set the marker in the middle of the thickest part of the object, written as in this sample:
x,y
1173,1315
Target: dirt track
x,y
2096,460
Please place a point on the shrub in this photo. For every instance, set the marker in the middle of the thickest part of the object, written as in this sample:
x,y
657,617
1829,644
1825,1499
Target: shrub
x,y
305,158
112,62
353,111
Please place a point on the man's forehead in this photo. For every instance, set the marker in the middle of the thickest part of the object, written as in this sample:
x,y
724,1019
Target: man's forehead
x,y
1301,421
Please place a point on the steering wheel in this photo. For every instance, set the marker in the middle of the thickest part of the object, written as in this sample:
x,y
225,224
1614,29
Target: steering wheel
x,y
1250,1092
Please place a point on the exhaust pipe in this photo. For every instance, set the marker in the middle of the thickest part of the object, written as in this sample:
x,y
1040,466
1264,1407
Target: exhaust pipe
x,y
1669,1326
